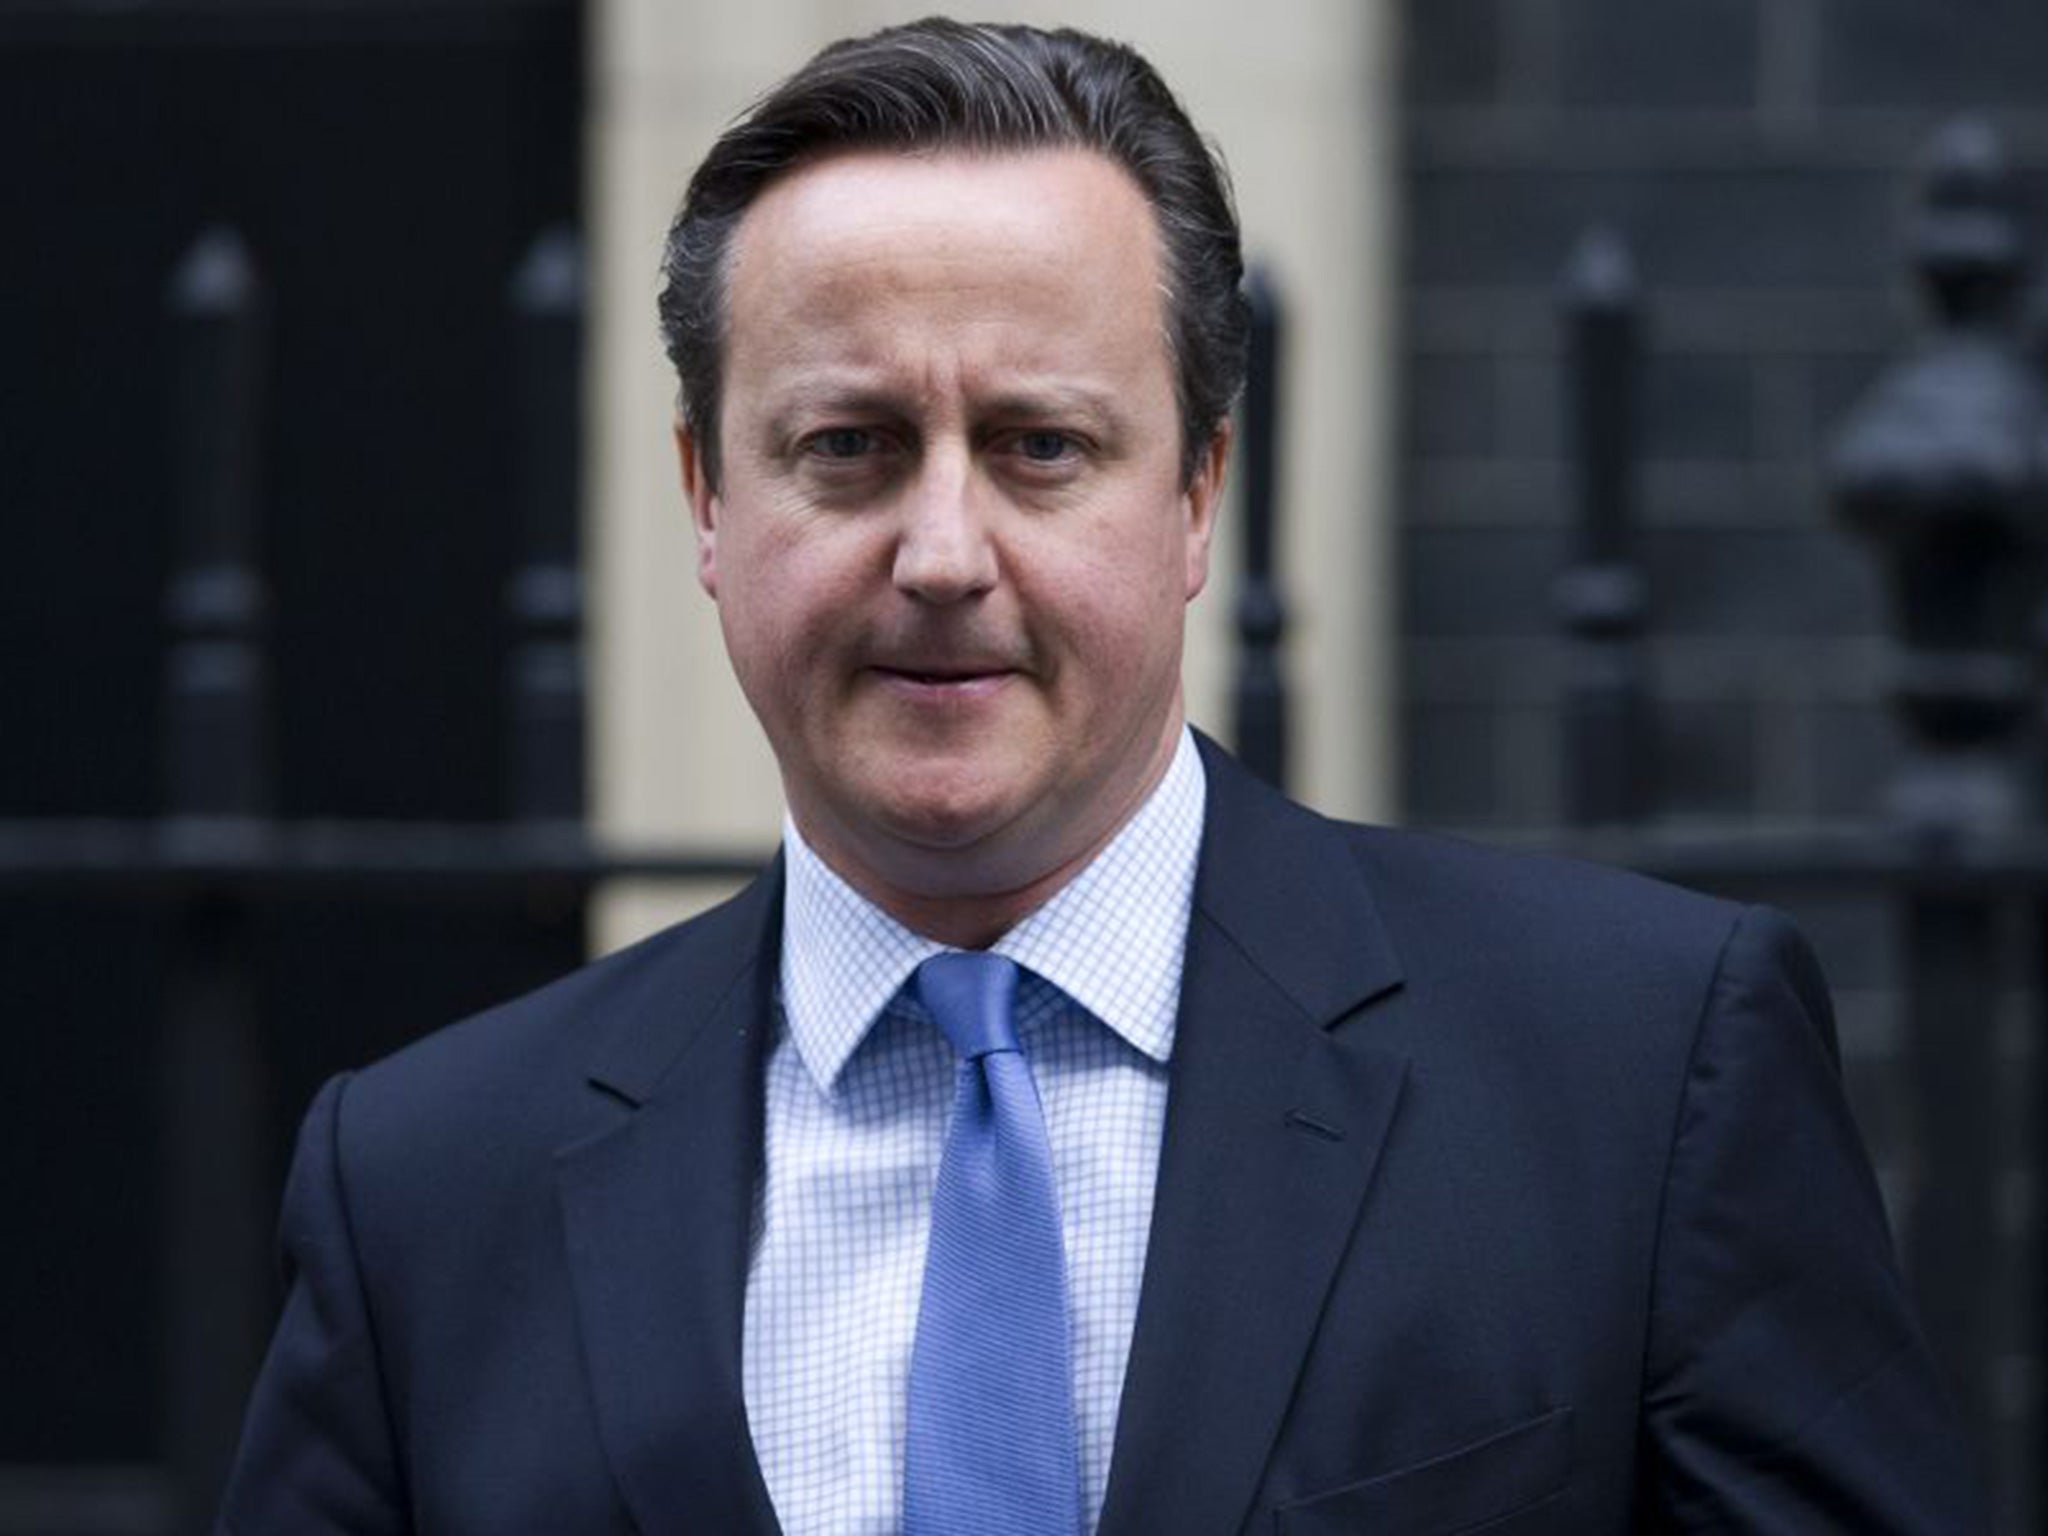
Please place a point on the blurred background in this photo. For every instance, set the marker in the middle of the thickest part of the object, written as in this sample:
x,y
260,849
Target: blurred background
x,y
1648,463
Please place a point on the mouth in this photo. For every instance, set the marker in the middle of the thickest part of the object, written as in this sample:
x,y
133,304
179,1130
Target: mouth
x,y
940,676
944,681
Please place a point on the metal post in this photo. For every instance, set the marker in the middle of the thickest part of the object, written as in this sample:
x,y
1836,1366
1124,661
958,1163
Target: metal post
x,y
1601,597
218,757
545,598
218,1191
1260,694
1953,1248
1940,467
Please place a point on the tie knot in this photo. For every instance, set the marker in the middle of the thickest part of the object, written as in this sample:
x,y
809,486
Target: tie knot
x,y
972,995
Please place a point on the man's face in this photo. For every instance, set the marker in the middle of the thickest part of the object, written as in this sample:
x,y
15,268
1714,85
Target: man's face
x,y
952,548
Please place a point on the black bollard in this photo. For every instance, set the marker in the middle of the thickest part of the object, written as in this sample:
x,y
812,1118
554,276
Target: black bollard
x,y
1601,597
546,705
219,1190
1940,468
1260,693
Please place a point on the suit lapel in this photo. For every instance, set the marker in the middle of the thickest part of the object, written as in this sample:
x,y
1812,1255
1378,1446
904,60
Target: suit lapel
x,y
1274,1123
658,1212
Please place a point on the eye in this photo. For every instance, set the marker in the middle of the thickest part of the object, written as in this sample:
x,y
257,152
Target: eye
x,y
1045,447
841,443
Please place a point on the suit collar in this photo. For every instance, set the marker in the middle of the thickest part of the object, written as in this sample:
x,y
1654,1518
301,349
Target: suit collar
x,y
658,1213
1278,1108
1284,885
725,956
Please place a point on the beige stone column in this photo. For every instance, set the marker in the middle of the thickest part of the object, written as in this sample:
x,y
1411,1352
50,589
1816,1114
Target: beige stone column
x,y
1299,94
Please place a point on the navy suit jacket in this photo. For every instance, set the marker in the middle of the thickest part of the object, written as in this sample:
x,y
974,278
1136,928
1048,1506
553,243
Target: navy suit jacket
x,y
1497,1194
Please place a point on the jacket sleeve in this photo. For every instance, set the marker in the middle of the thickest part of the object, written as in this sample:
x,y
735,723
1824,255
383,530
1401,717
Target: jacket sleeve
x,y
1787,1387
318,1453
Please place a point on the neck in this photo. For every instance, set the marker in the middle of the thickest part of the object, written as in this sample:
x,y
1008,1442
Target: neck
x,y
961,898
976,921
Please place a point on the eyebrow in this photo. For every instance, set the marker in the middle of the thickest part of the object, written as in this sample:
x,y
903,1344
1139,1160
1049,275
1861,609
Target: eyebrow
x,y
1056,399
867,393
864,398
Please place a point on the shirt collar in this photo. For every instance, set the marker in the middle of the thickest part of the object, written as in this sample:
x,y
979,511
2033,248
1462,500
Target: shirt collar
x,y
1113,938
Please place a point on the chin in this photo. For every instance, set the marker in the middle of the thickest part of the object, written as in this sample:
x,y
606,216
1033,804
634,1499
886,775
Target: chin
x,y
946,806
944,823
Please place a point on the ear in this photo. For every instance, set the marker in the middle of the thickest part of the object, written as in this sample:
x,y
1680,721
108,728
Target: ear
x,y
704,507
1203,499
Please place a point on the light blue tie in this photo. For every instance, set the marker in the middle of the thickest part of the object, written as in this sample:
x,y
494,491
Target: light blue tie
x,y
991,1448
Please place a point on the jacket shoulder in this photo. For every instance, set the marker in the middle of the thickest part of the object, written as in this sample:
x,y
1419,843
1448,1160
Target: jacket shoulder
x,y
1497,934
521,1073
1435,896
1588,937
1507,892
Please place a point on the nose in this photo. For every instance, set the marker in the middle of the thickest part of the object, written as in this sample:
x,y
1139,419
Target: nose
x,y
944,552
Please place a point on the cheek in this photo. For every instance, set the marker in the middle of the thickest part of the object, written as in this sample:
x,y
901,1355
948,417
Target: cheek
x,y
1121,618
786,603
796,570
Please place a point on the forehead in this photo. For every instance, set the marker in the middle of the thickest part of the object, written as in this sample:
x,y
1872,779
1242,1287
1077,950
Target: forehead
x,y
1041,259
844,194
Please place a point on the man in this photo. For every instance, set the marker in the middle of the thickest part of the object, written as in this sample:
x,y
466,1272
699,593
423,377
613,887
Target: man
x,y
1068,1133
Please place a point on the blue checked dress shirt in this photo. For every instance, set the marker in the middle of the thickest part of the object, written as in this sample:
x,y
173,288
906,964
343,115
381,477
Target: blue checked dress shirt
x,y
859,1083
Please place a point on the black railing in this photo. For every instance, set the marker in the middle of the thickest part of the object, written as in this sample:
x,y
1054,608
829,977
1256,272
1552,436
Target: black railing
x,y
1259,705
546,598
1601,597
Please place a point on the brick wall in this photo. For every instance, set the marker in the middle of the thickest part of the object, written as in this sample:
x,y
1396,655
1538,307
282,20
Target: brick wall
x,y
1757,156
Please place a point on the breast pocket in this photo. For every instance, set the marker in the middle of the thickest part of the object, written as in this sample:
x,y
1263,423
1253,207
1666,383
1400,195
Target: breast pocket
x,y
1469,1489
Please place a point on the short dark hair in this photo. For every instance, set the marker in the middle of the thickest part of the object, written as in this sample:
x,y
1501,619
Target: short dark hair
x,y
939,84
